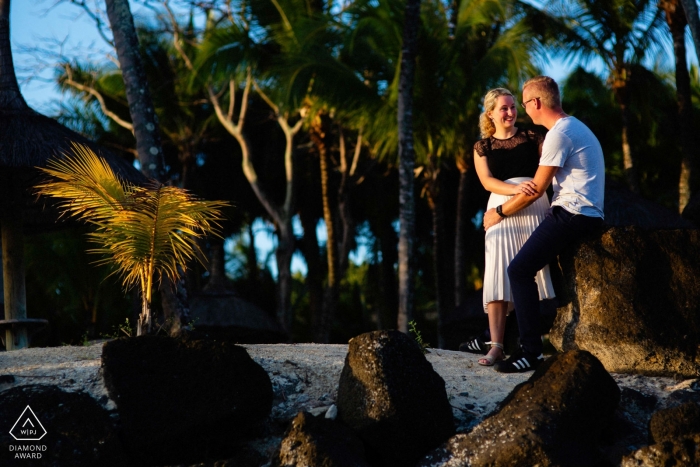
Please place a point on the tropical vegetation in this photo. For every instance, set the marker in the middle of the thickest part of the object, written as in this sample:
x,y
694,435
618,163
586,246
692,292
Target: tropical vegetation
x,y
291,111
149,233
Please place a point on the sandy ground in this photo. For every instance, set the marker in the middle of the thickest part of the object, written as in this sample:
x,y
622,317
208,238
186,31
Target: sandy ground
x,y
304,377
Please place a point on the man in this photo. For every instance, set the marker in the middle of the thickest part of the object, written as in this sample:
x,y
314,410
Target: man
x,y
572,160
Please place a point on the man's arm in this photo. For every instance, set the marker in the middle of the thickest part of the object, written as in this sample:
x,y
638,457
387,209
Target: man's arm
x,y
542,180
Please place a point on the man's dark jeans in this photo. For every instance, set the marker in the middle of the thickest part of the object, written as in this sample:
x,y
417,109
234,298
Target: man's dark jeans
x,y
559,229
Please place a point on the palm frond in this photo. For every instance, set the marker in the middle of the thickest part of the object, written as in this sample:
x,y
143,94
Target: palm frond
x,y
146,231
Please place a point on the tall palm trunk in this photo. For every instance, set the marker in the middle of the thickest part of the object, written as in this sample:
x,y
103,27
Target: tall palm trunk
x,y
147,134
14,289
314,274
676,19
217,267
347,180
691,13
322,326
442,267
283,255
143,114
460,252
407,210
619,86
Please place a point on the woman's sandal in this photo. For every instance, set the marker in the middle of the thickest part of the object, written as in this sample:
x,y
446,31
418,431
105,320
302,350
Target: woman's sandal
x,y
475,345
489,360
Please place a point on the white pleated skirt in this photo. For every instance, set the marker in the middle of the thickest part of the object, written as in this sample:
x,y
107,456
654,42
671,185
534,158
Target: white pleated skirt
x,y
504,240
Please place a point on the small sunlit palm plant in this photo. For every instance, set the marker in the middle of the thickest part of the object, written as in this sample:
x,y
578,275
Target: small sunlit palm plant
x,y
149,232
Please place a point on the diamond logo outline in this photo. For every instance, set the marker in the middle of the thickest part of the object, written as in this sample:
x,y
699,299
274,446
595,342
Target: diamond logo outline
x,y
26,419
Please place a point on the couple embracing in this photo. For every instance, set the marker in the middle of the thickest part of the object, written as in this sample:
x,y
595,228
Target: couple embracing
x,y
523,232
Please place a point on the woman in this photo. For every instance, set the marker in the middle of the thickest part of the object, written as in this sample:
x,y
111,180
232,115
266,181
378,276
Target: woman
x,y
506,159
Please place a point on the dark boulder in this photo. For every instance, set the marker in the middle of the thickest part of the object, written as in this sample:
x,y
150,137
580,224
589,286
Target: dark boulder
x,y
319,442
393,399
556,418
184,401
78,430
632,300
674,423
679,452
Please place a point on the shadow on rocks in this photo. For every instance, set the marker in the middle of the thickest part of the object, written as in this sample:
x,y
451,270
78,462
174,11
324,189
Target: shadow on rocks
x,y
392,398
675,437
319,442
556,418
79,431
184,401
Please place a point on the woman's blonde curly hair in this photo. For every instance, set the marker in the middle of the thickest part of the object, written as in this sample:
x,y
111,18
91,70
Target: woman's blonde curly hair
x,y
486,126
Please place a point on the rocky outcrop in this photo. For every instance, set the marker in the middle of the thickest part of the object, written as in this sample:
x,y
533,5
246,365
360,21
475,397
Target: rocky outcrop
x,y
319,442
77,430
184,401
633,298
674,423
679,452
393,399
554,419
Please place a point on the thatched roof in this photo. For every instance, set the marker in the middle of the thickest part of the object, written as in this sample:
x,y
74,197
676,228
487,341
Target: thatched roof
x,y
28,140
624,208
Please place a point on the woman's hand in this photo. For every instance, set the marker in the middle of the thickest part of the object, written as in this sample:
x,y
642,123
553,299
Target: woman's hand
x,y
528,188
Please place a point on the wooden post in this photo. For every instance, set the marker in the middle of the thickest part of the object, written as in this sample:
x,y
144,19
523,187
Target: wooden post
x,y
13,278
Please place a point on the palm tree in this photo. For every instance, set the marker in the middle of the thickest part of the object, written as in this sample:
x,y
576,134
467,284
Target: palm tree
x,y
621,33
150,232
407,216
691,13
676,20
143,115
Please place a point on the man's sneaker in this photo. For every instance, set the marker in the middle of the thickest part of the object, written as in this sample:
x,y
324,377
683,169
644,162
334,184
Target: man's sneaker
x,y
475,344
519,362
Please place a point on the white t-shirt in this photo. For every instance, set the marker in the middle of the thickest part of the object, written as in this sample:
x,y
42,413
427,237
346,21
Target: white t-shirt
x,y
579,184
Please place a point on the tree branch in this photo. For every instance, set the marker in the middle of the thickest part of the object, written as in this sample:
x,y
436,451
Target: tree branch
x,y
95,16
266,99
232,98
244,101
176,36
96,94
356,156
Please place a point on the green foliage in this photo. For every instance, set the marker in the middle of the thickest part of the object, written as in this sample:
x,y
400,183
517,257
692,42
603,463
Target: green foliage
x,y
121,330
417,336
149,233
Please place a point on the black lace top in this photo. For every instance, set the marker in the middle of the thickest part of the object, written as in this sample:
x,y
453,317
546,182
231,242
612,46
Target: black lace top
x,y
517,156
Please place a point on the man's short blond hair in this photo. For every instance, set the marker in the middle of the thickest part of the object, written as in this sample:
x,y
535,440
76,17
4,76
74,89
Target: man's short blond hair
x,y
546,89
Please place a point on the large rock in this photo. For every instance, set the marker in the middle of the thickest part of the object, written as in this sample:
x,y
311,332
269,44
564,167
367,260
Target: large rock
x,y
683,451
554,419
633,301
184,401
391,396
319,442
78,430
674,423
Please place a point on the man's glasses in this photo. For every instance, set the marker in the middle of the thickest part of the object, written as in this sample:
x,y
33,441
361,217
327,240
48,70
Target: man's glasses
x,y
524,104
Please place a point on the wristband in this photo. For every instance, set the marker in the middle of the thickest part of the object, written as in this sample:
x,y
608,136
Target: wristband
x,y
499,211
